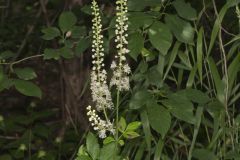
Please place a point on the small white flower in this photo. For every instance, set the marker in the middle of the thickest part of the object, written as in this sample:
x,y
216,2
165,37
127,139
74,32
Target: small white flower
x,y
102,134
113,65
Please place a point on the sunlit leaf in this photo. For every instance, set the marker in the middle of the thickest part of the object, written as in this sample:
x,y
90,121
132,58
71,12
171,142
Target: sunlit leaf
x,y
182,30
160,37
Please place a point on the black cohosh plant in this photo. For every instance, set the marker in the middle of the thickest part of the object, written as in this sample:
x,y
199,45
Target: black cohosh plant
x,y
112,131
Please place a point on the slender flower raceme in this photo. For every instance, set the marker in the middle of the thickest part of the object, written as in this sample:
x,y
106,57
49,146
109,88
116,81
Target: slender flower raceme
x,y
101,94
120,68
100,91
98,124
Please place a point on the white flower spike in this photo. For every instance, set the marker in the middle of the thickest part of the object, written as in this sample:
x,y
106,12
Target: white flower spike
x,y
121,70
100,90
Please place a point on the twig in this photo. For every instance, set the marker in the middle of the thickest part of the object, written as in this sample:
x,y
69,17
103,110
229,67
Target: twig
x,y
8,137
22,60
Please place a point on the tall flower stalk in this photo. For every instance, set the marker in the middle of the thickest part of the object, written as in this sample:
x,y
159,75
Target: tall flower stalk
x,y
120,68
101,94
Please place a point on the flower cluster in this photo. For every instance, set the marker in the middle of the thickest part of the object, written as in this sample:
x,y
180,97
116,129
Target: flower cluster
x,y
100,90
121,70
98,124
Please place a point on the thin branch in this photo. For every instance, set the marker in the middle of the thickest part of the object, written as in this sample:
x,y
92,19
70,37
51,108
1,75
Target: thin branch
x,y
8,137
22,60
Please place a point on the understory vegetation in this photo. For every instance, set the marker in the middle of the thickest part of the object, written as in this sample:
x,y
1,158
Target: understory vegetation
x,y
119,80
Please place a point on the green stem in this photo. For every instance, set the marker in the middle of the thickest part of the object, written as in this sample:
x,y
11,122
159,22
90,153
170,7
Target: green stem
x,y
117,126
117,113
105,114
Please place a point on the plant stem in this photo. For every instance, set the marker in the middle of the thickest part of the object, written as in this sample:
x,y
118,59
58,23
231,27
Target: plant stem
x,y
117,112
105,114
117,117
21,60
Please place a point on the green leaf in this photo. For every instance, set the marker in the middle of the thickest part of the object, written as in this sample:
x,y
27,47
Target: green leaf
x,y
27,88
50,33
219,84
139,20
130,134
51,54
182,30
6,55
217,24
66,52
5,83
233,70
197,96
108,140
204,154
139,99
140,151
82,151
199,113
92,146
200,53
185,10
133,126
82,46
233,154
159,118
78,32
184,56
83,157
191,77
66,21
136,44
122,124
86,9
146,53
160,36
25,73
172,58
159,148
154,75
134,5
180,107
121,142
108,151
146,128
215,108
